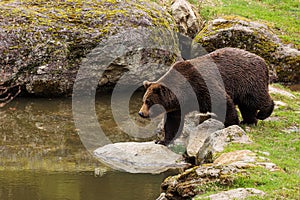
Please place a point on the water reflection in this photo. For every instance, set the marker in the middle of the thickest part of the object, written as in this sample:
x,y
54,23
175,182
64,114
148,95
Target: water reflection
x,y
77,186
42,156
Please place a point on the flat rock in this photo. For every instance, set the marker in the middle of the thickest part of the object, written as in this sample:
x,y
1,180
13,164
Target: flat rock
x,y
139,157
245,159
239,193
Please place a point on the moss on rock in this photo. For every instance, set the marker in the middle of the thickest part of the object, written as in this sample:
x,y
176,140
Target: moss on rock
x,y
59,34
239,32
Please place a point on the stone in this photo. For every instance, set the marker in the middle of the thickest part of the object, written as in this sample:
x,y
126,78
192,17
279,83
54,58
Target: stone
x,y
139,157
199,134
218,140
244,159
257,38
279,104
288,65
239,193
276,90
186,17
194,182
68,32
162,196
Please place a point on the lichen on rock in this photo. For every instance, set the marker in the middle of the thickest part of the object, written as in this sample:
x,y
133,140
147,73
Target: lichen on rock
x,y
258,38
58,34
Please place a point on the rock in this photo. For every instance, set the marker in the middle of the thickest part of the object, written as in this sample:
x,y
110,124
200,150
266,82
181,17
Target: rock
x,y
43,44
218,140
195,181
257,38
244,159
292,129
191,121
162,196
239,193
279,104
223,171
186,17
139,157
199,134
288,64
275,90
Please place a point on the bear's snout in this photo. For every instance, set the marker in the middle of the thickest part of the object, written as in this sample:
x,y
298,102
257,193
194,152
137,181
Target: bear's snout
x,y
142,114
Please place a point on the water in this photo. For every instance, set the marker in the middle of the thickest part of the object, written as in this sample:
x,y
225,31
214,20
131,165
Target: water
x,y
32,185
42,156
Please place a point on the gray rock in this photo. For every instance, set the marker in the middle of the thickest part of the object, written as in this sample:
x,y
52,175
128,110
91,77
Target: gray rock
x,y
186,17
239,193
199,134
276,90
135,157
218,140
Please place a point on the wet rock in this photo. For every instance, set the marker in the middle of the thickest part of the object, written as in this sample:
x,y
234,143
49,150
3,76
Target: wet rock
x,y
239,193
218,140
257,38
139,157
162,196
186,17
43,44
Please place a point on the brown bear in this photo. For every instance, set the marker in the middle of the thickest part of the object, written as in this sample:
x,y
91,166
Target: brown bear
x,y
215,83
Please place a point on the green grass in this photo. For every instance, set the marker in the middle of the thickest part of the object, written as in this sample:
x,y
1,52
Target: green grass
x,y
282,15
284,149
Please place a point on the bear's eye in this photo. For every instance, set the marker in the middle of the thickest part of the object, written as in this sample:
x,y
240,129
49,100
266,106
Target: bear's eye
x,y
147,102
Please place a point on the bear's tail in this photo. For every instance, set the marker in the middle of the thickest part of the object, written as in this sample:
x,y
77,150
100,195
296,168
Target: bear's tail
x,y
266,111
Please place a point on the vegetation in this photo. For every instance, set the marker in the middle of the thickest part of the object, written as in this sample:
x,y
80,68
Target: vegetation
x,y
281,15
279,137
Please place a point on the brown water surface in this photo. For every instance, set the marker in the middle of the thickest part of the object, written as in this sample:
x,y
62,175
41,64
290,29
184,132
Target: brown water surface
x,y
42,156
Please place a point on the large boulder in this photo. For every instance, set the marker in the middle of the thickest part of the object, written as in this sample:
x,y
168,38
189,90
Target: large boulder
x,y
255,37
42,43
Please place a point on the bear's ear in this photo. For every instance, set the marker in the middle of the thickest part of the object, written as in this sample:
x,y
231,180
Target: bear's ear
x,y
146,84
156,90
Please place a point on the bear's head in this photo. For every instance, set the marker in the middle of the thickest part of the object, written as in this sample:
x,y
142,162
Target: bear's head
x,y
157,100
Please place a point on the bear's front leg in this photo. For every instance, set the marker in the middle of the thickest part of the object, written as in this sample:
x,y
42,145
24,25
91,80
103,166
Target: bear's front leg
x,y
231,113
172,126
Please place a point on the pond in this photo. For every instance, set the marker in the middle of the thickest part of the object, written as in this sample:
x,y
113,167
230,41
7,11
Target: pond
x,y
42,156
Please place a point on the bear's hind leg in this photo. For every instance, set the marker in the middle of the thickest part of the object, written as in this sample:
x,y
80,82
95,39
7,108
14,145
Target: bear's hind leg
x,y
266,110
248,114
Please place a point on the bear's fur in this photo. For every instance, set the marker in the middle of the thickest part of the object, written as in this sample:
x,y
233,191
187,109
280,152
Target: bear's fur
x,y
215,82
